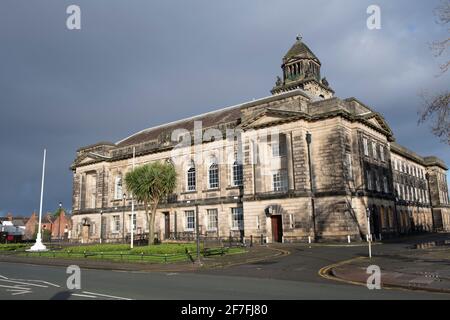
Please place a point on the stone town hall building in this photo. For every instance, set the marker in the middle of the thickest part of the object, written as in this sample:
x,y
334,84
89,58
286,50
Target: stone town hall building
x,y
332,159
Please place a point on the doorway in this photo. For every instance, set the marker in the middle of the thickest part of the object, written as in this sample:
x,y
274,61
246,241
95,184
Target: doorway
x,y
277,228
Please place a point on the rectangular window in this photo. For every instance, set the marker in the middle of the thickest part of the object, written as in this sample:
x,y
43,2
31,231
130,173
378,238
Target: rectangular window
x,y
237,174
381,153
212,219
237,218
116,224
366,147
385,185
280,180
189,220
279,146
374,150
369,180
348,165
257,222
377,183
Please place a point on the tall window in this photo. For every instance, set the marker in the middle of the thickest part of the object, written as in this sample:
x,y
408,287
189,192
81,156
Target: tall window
x,y
348,165
381,153
366,147
385,185
280,180
377,183
374,150
118,191
279,146
191,182
213,175
237,174
189,220
369,180
212,219
237,218
116,224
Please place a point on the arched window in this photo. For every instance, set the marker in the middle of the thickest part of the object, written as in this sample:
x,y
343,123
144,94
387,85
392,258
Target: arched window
x,y
118,190
237,174
213,175
191,181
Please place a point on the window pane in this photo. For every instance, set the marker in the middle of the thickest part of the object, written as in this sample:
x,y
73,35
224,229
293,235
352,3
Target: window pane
x,y
190,219
237,174
237,218
213,176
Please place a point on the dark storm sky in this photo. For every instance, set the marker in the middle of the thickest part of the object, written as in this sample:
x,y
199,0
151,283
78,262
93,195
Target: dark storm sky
x,y
135,64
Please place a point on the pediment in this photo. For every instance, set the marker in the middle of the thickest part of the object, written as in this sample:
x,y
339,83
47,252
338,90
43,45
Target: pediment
x,y
269,117
378,121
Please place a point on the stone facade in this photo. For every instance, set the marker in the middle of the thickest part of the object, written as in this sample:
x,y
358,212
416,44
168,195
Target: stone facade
x,y
300,163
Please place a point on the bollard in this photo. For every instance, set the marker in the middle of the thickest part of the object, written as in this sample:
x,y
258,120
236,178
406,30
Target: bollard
x,y
348,239
262,241
380,236
251,240
309,239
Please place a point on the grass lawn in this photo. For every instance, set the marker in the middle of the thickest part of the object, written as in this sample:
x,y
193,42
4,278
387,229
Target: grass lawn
x,y
161,253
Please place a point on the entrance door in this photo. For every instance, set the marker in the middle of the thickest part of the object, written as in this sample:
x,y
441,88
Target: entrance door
x,y
167,225
277,228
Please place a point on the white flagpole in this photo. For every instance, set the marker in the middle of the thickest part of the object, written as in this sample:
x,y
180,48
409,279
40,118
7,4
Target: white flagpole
x,y
39,246
132,206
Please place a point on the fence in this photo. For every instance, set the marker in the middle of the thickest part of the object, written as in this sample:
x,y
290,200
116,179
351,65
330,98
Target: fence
x,y
114,256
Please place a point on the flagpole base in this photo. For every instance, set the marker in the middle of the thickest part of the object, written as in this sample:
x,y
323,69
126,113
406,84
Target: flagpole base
x,y
38,246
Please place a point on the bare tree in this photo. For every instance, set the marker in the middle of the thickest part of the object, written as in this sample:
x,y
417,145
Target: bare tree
x,y
435,107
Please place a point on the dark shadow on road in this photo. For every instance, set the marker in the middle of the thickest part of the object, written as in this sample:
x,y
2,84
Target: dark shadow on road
x,y
63,295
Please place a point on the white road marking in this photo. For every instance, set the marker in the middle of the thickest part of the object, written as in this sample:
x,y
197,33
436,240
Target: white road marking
x,y
83,295
18,291
42,281
24,283
107,296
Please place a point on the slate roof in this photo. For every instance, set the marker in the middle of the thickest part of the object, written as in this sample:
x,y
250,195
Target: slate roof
x,y
300,50
210,119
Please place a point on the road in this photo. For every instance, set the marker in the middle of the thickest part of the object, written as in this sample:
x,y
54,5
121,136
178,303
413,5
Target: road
x,y
288,277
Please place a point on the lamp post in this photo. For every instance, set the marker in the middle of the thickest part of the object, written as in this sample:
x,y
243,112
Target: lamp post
x,y
369,234
311,186
101,225
123,218
197,230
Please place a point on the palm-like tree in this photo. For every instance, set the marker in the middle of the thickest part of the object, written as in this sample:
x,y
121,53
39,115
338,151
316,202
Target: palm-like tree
x,y
149,184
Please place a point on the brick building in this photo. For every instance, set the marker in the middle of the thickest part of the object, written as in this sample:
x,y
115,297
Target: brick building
x,y
301,162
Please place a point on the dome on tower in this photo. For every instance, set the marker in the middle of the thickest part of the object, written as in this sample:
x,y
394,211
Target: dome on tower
x,y
300,50
301,70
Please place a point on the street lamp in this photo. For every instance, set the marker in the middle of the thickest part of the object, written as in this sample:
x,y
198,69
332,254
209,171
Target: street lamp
x,y
101,225
198,233
123,218
369,234
311,185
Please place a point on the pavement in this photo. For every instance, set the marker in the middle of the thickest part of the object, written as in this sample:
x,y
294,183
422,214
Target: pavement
x,y
423,269
280,271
